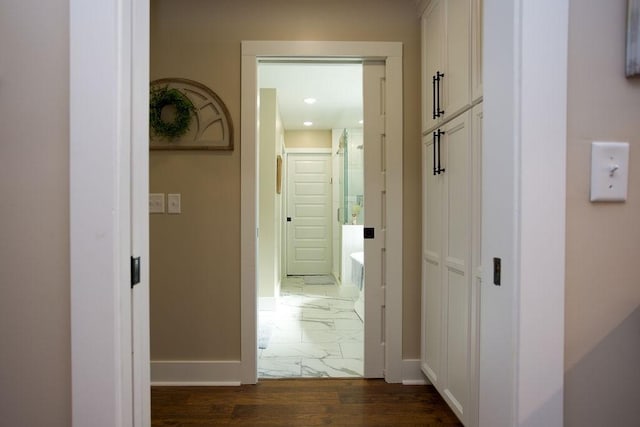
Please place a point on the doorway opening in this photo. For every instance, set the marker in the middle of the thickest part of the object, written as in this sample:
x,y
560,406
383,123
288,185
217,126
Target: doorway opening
x,y
311,216
385,337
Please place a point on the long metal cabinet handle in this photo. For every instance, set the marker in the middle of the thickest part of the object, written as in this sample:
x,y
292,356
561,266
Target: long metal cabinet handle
x,y
433,97
439,134
435,171
439,77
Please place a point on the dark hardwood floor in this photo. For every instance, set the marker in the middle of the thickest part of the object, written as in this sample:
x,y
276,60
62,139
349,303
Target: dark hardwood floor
x,y
301,402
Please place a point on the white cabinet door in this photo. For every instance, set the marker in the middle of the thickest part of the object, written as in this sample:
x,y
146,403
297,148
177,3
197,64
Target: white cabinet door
x,y
456,83
449,301
433,31
455,148
432,210
446,60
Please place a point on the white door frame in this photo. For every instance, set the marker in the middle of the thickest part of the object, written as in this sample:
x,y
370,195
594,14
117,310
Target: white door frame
x,y
391,53
108,107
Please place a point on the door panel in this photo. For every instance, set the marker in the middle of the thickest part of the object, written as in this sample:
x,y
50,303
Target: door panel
x,y
375,217
458,79
433,56
457,338
309,207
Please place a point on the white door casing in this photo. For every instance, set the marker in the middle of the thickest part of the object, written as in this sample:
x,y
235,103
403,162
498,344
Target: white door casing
x,y
308,214
140,212
391,53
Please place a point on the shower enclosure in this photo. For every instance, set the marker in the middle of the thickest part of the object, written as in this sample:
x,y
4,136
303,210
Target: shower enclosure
x,y
350,212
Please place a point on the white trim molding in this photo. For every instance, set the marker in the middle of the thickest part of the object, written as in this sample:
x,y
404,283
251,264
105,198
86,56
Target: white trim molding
x,y
195,373
391,54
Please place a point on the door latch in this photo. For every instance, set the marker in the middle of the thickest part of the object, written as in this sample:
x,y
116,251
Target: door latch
x,y
135,271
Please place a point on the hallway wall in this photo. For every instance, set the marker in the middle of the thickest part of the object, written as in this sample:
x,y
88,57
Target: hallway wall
x,y
308,138
195,271
602,314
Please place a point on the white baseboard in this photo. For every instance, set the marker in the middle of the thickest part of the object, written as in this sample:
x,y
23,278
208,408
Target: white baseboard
x,y
228,373
412,374
195,373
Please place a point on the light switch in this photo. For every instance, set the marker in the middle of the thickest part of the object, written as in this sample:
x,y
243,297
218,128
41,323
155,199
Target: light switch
x,y
156,203
609,171
173,204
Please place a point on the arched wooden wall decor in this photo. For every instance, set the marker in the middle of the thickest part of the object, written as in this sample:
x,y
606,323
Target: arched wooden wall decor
x,y
210,126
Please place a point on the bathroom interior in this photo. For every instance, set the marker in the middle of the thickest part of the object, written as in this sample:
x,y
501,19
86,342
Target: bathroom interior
x,y
312,326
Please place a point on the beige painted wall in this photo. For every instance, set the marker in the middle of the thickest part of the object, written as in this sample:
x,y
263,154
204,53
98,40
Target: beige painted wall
x,y
602,358
195,270
35,359
307,138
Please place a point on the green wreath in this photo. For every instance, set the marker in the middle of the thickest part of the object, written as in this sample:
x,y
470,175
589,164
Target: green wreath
x,y
160,98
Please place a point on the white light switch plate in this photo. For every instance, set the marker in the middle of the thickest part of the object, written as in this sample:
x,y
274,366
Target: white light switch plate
x,y
156,203
609,171
173,204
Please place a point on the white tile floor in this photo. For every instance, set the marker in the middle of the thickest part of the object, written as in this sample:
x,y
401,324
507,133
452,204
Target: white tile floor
x,y
314,332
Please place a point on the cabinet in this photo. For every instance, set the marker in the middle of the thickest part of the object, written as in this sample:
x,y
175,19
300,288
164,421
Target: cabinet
x,y
447,261
451,201
446,60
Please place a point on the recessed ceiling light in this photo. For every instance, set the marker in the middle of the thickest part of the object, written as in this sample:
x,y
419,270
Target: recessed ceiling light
x,y
310,101
361,121
307,123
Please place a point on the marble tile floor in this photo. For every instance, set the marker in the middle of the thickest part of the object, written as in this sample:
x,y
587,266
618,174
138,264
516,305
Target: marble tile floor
x,y
314,332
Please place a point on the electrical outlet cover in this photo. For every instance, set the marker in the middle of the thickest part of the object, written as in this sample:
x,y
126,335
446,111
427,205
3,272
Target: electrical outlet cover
x,y
174,204
609,171
156,203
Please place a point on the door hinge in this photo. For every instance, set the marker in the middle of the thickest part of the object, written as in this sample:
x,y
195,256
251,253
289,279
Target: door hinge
x,y
135,271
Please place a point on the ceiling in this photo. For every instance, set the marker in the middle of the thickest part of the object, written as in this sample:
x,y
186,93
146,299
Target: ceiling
x,y
336,87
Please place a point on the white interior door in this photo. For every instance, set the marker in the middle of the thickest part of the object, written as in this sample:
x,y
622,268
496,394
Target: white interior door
x,y
308,214
375,261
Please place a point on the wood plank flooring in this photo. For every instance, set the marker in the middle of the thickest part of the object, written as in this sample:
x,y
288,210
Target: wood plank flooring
x,y
301,402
